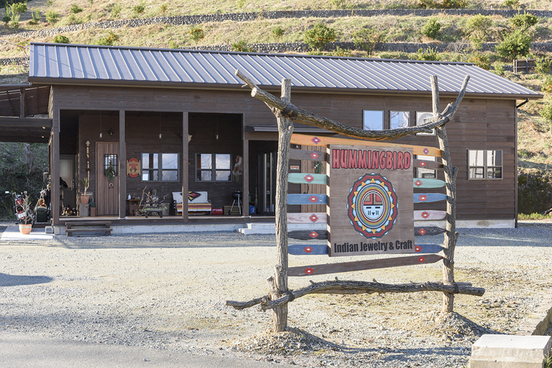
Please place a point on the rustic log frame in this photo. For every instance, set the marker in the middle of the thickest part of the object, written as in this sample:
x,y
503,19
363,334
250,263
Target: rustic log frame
x,y
286,113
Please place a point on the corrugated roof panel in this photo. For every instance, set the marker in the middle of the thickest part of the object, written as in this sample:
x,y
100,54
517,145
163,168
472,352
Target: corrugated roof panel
x,y
51,62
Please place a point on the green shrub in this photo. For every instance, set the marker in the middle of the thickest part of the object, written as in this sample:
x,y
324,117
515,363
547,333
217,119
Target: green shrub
x,y
477,28
431,28
75,9
319,36
15,20
445,4
498,69
115,10
35,17
6,19
50,2
61,39
173,45
523,21
163,8
139,9
197,34
338,4
547,84
367,39
240,4
480,60
19,8
341,52
546,112
109,39
542,65
534,192
428,55
278,32
241,46
511,4
514,44
52,16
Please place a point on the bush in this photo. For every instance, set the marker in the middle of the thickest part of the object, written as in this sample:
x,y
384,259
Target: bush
x,y
523,21
197,34
115,10
319,36
511,4
477,27
6,19
542,65
431,28
534,192
163,8
139,9
367,39
546,112
514,44
498,69
75,9
241,46
341,52
445,4
108,40
52,16
547,84
480,60
278,32
35,17
428,55
19,8
61,39
338,4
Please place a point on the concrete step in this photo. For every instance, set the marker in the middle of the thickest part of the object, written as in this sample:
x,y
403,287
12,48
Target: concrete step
x,y
507,351
269,228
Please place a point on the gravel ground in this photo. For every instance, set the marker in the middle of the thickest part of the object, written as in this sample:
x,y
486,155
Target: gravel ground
x,y
168,291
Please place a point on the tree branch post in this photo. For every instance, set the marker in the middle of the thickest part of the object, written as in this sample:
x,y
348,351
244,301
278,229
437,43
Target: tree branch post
x,y
449,242
285,130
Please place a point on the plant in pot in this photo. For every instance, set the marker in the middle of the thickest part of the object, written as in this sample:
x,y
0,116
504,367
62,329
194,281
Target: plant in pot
x,y
27,218
85,197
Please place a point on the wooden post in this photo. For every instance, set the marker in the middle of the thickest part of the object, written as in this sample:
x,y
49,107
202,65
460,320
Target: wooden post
x,y
122,164
285,130
185,166
451,235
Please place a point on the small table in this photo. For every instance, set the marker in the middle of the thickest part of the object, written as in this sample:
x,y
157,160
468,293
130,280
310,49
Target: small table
x,y
157,211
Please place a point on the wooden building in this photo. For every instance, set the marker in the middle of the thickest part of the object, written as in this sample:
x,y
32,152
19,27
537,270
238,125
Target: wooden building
x,y
185,123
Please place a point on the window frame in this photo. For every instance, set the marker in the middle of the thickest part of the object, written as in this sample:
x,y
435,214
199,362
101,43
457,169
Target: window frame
x,y
364,119
420,121
400,113
213,169
159,168
486,166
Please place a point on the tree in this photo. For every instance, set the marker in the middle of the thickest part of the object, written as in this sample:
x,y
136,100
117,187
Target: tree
x,y
319,36
514,44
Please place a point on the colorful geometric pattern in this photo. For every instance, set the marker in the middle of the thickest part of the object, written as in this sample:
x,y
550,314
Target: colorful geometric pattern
x,y
372,206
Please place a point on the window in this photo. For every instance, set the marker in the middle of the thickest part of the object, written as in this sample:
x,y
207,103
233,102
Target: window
x,y
373,120
213,167
160,167
484,164
399,119
422,172
110,161
423,118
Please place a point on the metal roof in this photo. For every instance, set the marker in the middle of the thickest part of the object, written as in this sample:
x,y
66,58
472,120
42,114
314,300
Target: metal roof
x,y
131,66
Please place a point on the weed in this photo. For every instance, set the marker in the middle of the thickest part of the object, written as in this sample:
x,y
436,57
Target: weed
x,y
319,36
431,28
241,46
52,16
173,45
429,55
522,153
72,19
547,84
498,69
35,17
535,216
163,8
75,9
61,39
546,112
115,11
197,34
139,9
278,32
338,4
108,40
50,2
240,4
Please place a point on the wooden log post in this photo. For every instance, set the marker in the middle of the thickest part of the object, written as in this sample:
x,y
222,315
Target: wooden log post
x,y
280,287
451,236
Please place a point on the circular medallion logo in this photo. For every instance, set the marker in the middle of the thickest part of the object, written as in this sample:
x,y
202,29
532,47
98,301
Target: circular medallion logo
x,y
372,205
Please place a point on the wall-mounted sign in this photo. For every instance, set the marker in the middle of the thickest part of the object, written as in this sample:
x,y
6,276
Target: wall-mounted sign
x,y
133,167
370,199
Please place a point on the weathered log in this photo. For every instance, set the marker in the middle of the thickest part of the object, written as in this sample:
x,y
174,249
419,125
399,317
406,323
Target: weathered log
x,y
348,287
305,117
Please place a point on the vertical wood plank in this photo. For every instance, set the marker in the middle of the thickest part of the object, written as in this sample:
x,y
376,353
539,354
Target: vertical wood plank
x,y
122,164
185,158
245,172
22,111
55,161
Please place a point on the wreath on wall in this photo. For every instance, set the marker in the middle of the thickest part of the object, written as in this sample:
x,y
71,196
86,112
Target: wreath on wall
x,y
110,173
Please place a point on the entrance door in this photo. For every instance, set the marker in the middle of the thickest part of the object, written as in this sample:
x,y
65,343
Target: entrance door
x,y
107,178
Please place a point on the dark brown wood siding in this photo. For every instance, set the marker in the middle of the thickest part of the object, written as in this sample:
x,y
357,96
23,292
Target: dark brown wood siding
x,y
479,124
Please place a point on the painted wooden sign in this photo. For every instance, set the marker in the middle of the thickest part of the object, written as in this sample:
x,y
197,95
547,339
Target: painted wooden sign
x,y
308,234
429,215
429,197
297,154
317,249
429,230
371,207
427,183
306,199
300,178
311,140
363,265
307,218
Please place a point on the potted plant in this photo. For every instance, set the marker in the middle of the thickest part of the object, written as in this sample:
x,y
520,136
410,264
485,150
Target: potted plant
x,y
26,221
85,197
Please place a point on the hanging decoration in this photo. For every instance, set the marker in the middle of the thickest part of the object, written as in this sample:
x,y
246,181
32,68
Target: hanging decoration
x,y
133,167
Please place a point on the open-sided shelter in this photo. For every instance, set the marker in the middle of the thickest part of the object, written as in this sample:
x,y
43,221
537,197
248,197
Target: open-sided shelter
x,y
181,121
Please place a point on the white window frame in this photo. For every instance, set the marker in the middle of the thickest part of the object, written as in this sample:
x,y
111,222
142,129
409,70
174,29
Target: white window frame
x,y
398,117
483,164
422,172
421,118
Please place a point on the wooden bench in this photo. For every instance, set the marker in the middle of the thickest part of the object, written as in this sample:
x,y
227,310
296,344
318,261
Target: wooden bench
x,y
157,211
88,227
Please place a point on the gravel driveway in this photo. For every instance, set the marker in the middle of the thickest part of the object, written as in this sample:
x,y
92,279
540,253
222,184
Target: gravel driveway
x,y
168,291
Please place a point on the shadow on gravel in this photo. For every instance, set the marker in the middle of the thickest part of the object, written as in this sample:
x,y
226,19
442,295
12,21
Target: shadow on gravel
x,y
2,228
15,280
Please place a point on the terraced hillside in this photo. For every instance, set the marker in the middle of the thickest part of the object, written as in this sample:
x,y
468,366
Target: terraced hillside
x,y
384,29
